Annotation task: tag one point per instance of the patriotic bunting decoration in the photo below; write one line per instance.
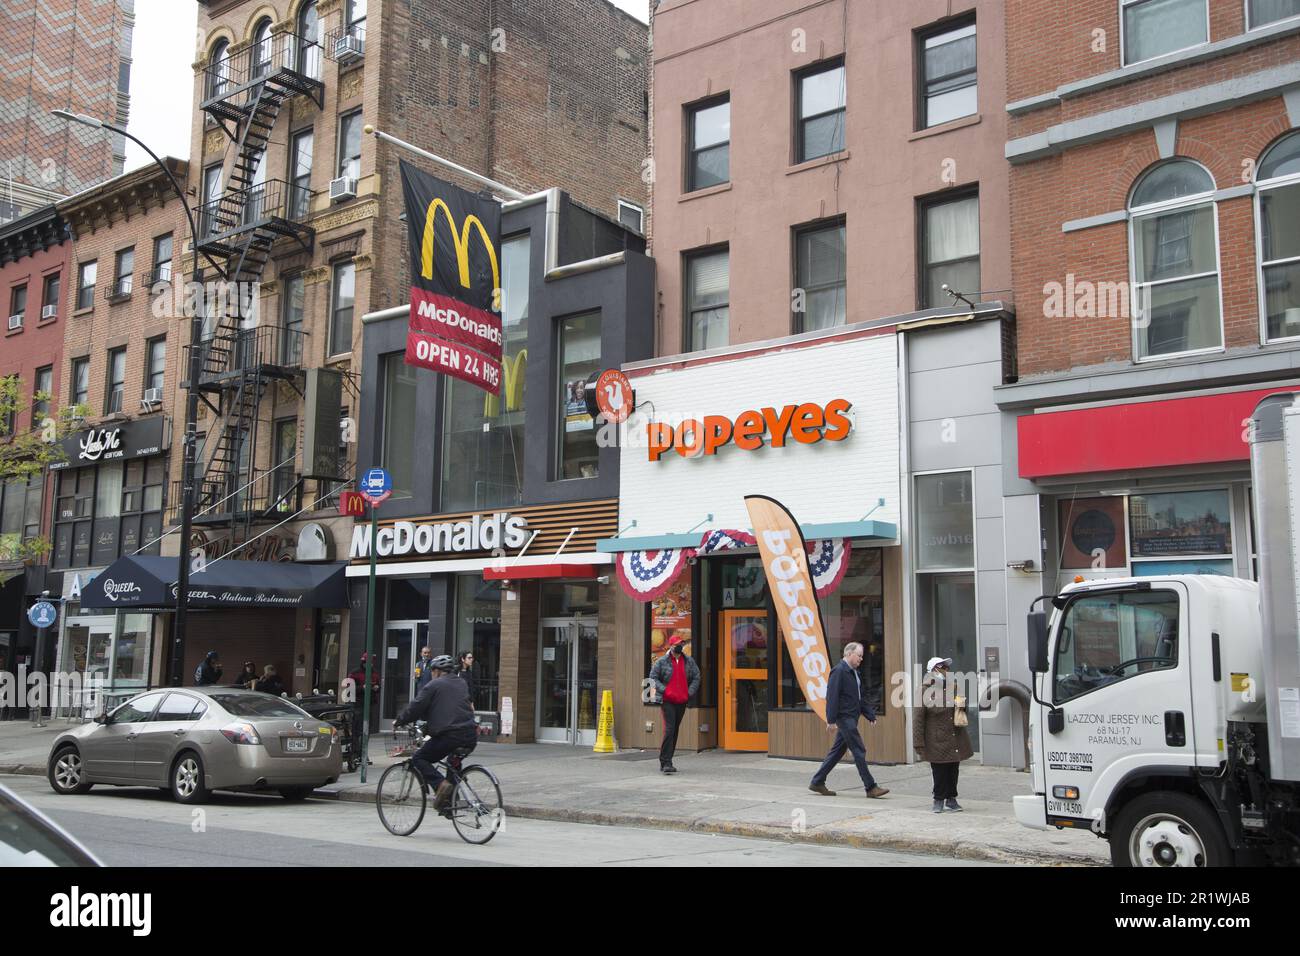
(645, 575)
(725, 540)
(828, 559)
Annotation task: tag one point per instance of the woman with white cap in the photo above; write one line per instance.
(939, 732)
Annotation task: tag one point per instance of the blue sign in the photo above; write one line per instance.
(376, 485)
(42, 614)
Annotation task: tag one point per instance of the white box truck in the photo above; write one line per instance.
(1166, 713)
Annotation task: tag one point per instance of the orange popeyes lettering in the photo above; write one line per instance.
(806, 428)
(659, 435)
(778, 425)
(838, 425)
(717, 432)
(749, 431)
(807, 423)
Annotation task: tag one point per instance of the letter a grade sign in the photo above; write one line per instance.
(455, 323)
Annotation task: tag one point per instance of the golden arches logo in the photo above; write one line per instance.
(461, 242)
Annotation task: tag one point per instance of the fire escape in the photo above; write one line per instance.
(240, 354)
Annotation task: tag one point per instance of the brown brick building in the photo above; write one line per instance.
(61, 54)
(1155, 211)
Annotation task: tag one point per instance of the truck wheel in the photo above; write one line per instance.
(1165, 829)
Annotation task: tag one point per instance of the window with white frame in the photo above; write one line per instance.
(1261, 13)
(1174, 252)
(1277, 209)
(1153, 28)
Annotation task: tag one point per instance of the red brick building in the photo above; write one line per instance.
(61, 54)
(1155, 235)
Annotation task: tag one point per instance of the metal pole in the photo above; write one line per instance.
(448, 164)
(187, 478)
(370, 646)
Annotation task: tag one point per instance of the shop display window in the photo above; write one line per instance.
(478, 629)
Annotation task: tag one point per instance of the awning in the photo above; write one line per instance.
(143, 581)
(883, 531)
(529, 572)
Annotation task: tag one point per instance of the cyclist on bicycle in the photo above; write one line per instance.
(444, 705)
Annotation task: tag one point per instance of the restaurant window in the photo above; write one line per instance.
(821, 111)
(350, 145)
(947, 59)
(578, 455)
(80, 381)
(709, 131)
(342, 300)
(1153, 28)
(819, 297)
(74, 510)
(1277, 200)
(399, 420)
(162, 259)
(156, 367)
(950, 249)
(86, 273)
(1181, 532)
(708, 283)
(123, 280)
(478, 629)
(300, 154)
(50, 293)
(116, 381)
(483, 435)
(131, 655)
(1173, 234)
(1263, 12)
(42, 389)
(108, 512)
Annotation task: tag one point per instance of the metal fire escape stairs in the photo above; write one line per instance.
(238, 359)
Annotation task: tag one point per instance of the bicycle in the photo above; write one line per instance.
(475, 809)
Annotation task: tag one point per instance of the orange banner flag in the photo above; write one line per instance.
(785, 562)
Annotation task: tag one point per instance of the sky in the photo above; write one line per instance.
(162, 75)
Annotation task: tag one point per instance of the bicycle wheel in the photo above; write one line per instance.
(476, 808)
(401, 799)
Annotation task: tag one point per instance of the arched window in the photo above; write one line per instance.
(218, 72)
(261, 53)
(1174, 254)
(309, 40)
(1277, 218)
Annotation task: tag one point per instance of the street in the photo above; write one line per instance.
(141, 827)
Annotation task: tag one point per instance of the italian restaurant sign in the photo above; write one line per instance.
(455, 322)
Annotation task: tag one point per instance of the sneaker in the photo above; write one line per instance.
(443, 795)
(670, 769)
(952, 805)
(877, 791)
(938, 807)
(821, 788)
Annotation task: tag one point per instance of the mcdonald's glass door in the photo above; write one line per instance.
(744, 650)
(566, 682)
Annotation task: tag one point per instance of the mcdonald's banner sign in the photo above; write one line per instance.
(785, 562)
(455, 323)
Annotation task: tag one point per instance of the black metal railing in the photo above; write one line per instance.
(271, 493)
(120, 288)
(352, 50)
(283, 58)
(266, 346)
(242, 209)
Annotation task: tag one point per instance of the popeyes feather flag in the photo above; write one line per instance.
(785, 562)
(455, 323)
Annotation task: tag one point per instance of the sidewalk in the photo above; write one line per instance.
(738, 794)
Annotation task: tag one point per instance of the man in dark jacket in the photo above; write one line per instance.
(676, 678)
(423, 672)
(844, 703)
(445, 707)
(209, 672)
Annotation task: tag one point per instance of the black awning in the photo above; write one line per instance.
(143, 581)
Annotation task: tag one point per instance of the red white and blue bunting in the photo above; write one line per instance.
(725, 540)
(828, 559)
(645, 575)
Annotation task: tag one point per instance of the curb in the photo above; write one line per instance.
(866, 841)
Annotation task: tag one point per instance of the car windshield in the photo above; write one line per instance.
(25, 840)
(257, 705)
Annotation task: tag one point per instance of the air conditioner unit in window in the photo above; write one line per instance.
(152, 398)
(15, 322)
(49, 311)
(349, 49)
(345, 187)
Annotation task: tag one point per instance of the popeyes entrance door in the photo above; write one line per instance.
(743, 652)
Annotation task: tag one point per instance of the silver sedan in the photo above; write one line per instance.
(192, 741)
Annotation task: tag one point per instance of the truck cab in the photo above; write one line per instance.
(1138, 684)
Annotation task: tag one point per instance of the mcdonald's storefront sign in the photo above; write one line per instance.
(351, 504)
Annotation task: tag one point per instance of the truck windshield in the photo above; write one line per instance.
(1113, 636)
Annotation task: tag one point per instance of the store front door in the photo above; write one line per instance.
(402, 643)
(566, 682)
(743, 653)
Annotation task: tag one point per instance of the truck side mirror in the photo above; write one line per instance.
(1037, 624)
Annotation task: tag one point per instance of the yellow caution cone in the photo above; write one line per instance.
(605, 729)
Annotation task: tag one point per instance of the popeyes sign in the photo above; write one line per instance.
(805, 424)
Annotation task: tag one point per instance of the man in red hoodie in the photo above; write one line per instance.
(676, 678)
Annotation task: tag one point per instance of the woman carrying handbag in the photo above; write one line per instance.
(939, 732)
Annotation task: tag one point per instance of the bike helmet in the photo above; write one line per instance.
(442, 662)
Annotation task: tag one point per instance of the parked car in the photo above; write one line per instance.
(192, 741)
(30, 838)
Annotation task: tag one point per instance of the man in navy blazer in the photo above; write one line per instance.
(844, 703)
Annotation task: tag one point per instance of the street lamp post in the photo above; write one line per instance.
(191, 401)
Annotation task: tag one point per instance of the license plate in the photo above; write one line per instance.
(296, 744)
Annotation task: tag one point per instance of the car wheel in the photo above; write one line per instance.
(67, 771)
(1167, 829)
(294, 794)
(187, 783)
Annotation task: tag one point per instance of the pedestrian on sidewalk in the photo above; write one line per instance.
(423, 672)
(209, 672)
(939, 732)
(676, 678)
(248, 676)
(465, 671)
(844, 704)
(270, 682)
